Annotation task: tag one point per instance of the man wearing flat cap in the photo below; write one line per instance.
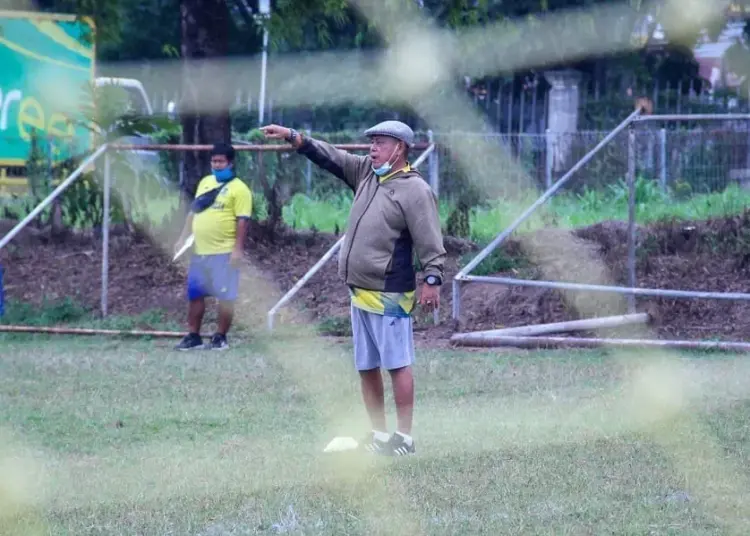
(394, 215)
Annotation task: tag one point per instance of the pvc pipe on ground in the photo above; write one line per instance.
(582, 342)
(560, 327)
(86, 331)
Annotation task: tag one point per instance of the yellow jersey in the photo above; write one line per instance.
(215, 228)
(400, 304)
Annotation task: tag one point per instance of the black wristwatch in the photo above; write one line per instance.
(432, 280)
(292, 136)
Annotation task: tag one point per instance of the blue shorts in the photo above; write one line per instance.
(212, 275)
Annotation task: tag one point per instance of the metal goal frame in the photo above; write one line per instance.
(464, 276)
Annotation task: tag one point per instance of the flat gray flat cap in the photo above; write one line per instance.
(394, 129)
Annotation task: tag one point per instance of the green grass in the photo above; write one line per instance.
(127, 437)
(571, 211)
(70, 313)
(563, 210)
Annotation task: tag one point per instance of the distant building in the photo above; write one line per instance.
(710, 56)
(710, 53)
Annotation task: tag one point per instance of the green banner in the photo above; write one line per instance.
(46, 60)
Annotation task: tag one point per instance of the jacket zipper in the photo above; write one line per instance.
(356, 226)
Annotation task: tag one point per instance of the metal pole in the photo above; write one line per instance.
(694, 117)
(581, 342)
(51, 197)
(308, 170)
(264, 7)
(659, 293)
(544, 197)
(105, 230)
(663, 158)
(631, 217)
(239, 147)
(420, 160)
(549, 158)
(456, 299)
(432, 166)
(311, 272)
(263, 64)
(86, 331)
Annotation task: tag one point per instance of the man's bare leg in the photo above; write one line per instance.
(226, 314)
(403, 395)
(196, 310)
(374, 397)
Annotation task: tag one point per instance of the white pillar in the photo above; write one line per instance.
(562, 114)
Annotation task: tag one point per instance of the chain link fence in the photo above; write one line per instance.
(683, 162)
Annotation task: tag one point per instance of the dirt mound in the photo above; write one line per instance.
(712, 255)
(141, 278)
(703, 256)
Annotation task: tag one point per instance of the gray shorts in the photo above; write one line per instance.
(381, 341)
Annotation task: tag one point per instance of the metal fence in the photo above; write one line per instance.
(704, 159)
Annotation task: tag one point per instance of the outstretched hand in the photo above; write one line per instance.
(275, 132)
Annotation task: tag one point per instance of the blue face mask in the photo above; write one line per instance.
(223, 175)
(382, 170)
(385, 168)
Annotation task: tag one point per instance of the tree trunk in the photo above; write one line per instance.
(205, 103)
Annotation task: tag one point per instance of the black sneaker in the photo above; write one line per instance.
(191, 341)
(218, 342)
(372, 444)
(399, 446)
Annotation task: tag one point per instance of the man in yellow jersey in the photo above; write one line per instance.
(218, 219)
(394, 215)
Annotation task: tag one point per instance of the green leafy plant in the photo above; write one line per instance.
(48, 313)
(107, 115)
(335, 326)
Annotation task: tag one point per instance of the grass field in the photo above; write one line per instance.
(128, 437)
